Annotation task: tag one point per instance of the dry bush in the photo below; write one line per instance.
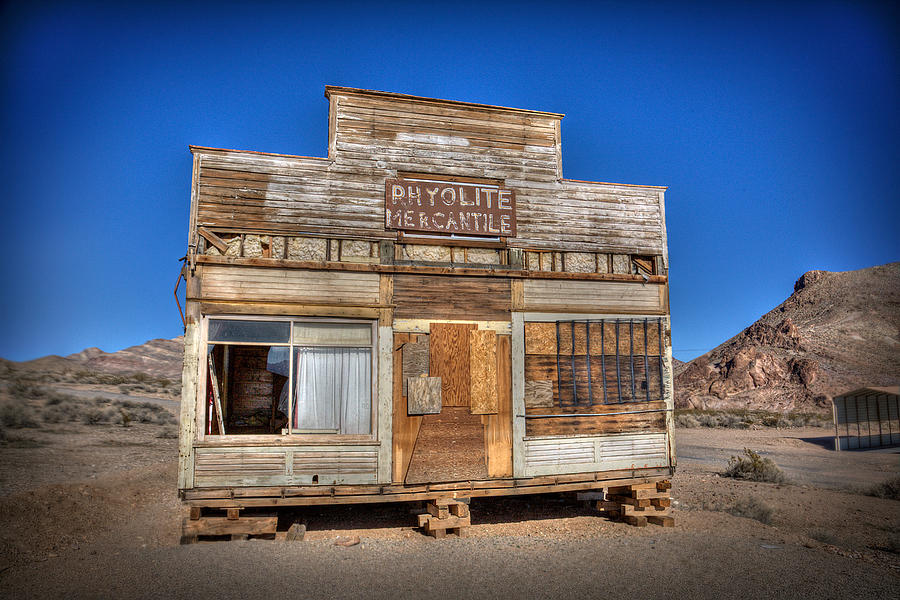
(744, 419)
(18, 415)
(889, 489)
(752, 508)
(754, 467)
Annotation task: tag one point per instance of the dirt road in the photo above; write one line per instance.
(112, 532)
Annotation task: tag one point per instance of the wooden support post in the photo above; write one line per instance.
(443, 515)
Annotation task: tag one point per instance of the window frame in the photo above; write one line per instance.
(288, 434)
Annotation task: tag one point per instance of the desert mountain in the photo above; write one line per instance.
(159, 358)
(836, 332)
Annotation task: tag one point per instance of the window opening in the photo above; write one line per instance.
(629, 371)
(289, 374)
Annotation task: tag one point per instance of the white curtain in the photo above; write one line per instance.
(332, 390)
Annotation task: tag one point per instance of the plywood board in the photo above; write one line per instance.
(540, 338)
(498, 427)
(415, 359)
(483, 372)
(450, 447)
(449, 359)
(424, 396)
(538, 393)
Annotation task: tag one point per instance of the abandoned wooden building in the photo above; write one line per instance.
(430, 313)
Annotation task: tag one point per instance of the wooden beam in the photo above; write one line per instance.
(213, 239)
(493, 271)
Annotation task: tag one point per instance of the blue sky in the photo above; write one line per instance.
(773, 124)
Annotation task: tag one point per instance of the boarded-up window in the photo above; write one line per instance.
(591, 362)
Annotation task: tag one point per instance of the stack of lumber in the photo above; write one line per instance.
(445, 515)
(640, 504)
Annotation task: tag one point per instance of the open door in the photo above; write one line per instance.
(471, 437)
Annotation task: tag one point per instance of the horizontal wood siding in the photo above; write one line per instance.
(441, 297)
(592, 296)
(232, 283)
(300, 465)
(550, 456)
(627, 421)
(377, 137)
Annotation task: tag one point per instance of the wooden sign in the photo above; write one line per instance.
(449, 207)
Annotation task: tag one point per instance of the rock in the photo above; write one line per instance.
(306, 249)
(252, 246)
(580, 262)
(809, 278)
(621, 263)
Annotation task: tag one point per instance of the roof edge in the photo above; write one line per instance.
(329, 89)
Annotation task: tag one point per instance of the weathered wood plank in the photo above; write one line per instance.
(469, 298)
(424, 396)
(449, 360)
(498, 427)
(483, 398)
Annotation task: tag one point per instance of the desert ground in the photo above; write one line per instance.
(90, 511)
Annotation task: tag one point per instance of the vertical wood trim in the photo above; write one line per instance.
(517, 294)
(188, 431)
(498, 428)
(332, 125)
(385, 401)
(558, 130)
(662, 229)
(668, 395)
(518, 393)
(195, 204)
(385, 298)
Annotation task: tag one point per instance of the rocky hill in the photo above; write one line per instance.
(837, 331)
(159, 358)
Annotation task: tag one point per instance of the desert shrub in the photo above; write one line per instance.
(125, 417)
(92, 416)
(752, 508)
(889, 489)
(754, 467)
(167, 433)
(744, 419)
(687, 421)
(25, 390)
(18, 415)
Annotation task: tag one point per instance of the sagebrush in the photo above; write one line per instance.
(753, 467)
(745, 419)
(752, 508)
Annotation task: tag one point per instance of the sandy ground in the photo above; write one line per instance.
(91, 511)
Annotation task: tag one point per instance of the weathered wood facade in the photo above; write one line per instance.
(437, 240)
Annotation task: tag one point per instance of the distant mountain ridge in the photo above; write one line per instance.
(837, 331)
(159, 358)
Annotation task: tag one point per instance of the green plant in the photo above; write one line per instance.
(754, 467)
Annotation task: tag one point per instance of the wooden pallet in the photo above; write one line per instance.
(197, 526)
(639, 504)
(445, 515)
